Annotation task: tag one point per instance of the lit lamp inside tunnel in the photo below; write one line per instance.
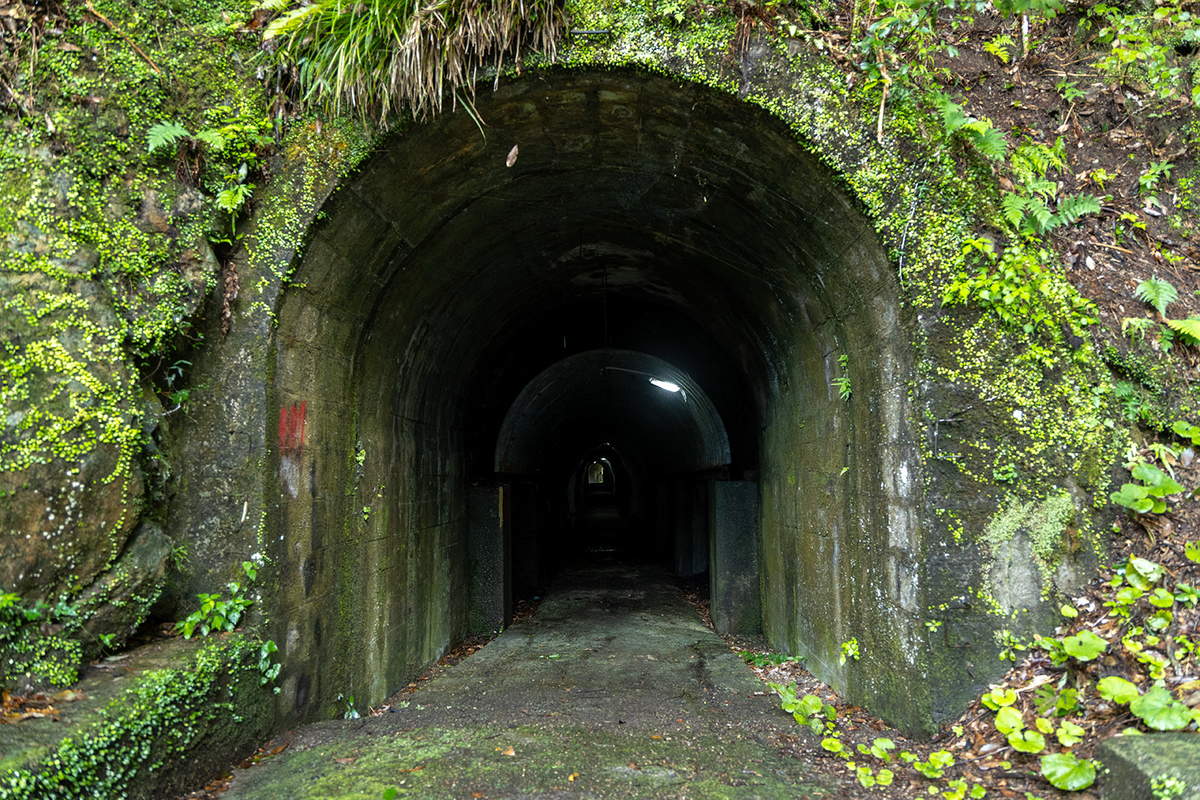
(665, 385)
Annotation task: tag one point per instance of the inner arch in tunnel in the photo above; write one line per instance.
(647, 220)
(601, 395)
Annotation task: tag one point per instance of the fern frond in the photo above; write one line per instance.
(1039, 215)
(1013, 208)
(953, 116)
(991, 144)
(999, 47)
(1188, 329)
(1047, 189)
(214, 140)
(1072, 208)
(1158, 293)
(164, 134)
(1135, 327)
(987, 140)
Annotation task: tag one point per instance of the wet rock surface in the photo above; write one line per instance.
(614, 689)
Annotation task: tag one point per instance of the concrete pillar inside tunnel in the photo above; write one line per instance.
(525, 524)
(489, 559)
(689, 520)
(733, 558)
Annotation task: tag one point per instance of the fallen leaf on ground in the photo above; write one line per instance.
(508, 751)
(347, 760)
(573, 776)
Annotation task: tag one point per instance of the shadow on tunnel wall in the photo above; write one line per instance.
(642, 216)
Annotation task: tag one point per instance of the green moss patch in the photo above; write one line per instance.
(149, 723)
(530, 761)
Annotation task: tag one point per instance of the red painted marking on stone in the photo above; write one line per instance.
(293, 420)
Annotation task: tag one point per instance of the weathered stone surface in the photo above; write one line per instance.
(186, 708)
(61, 526)
(489, 559)
(1133, 763)
(735, 598)
(119, 599)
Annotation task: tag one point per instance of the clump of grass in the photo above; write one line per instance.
(376, 57)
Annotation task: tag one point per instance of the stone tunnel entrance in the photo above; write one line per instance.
(641, 335)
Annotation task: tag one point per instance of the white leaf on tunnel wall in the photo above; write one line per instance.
(512, 156)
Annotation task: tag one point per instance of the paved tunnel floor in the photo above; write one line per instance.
(614, 689)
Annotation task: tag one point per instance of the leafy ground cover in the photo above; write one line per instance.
(1122, 662)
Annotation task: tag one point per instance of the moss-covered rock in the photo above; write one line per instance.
(142, 726)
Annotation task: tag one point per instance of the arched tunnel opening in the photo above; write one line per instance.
(639, 338)
(599, 443)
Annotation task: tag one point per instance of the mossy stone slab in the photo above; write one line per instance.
(1134, 762)
(152, 723)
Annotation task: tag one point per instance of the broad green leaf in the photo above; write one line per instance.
(1117, 690)
(1132, 496)
(1142, 574)
(1027, 741)
(1084, 646)
(1068, 773)
(1160, 620)
(1186, 430)
(1160, 711)
(1127, 595)
(1162, 484)
(1008, 720)
(1069, 734)
(999, 698)
(1162, 598)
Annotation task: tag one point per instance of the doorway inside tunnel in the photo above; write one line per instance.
(630, 340)
(612, 451)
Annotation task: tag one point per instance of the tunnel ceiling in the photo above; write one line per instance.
(666, 201)
(604, 396)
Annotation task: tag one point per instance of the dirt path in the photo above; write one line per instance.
(614, 689)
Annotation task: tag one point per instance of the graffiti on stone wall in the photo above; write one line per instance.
(292, 422)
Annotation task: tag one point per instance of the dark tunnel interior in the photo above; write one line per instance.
(596, 405)
(626, 342)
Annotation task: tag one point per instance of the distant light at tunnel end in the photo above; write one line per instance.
(667, 385)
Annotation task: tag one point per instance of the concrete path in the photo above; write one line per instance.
(614, 689)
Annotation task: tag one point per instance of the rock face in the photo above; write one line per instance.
(1134, 762)
(63, 525)
(118, 600)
